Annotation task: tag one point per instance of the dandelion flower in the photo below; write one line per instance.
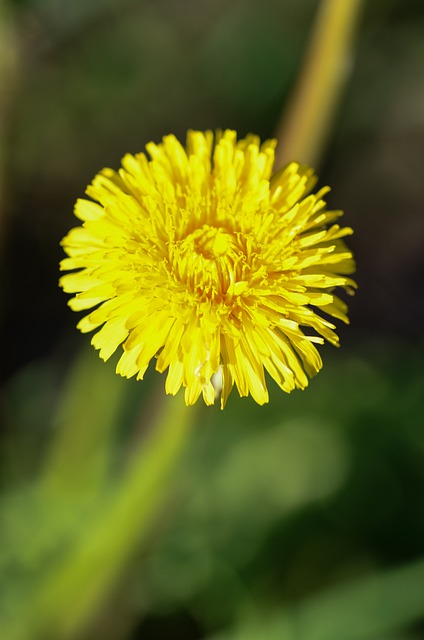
(204, 259)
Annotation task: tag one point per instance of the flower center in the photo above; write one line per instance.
(210, 242)
(205, 261)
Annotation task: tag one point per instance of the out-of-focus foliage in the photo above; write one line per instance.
(300, 520)
(315, 499)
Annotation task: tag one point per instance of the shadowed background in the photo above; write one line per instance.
(301, 520)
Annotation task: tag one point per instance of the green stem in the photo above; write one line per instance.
(8, 79)
(307, 120)
(78, 586)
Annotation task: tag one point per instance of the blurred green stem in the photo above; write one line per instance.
(307, 120)
(92, 568)
(79, 458)
(8, 73)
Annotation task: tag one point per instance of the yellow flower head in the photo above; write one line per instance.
(203, 259)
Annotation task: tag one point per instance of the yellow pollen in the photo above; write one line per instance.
(205, 261)
(211, 242)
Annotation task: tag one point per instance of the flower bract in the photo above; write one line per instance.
(201, 258)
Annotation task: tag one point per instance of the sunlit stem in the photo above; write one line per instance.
(307, 120)
(8, 79)
(78, 586)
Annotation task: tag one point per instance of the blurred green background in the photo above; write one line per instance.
(300, 520)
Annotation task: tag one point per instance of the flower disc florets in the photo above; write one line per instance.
(203, 259)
